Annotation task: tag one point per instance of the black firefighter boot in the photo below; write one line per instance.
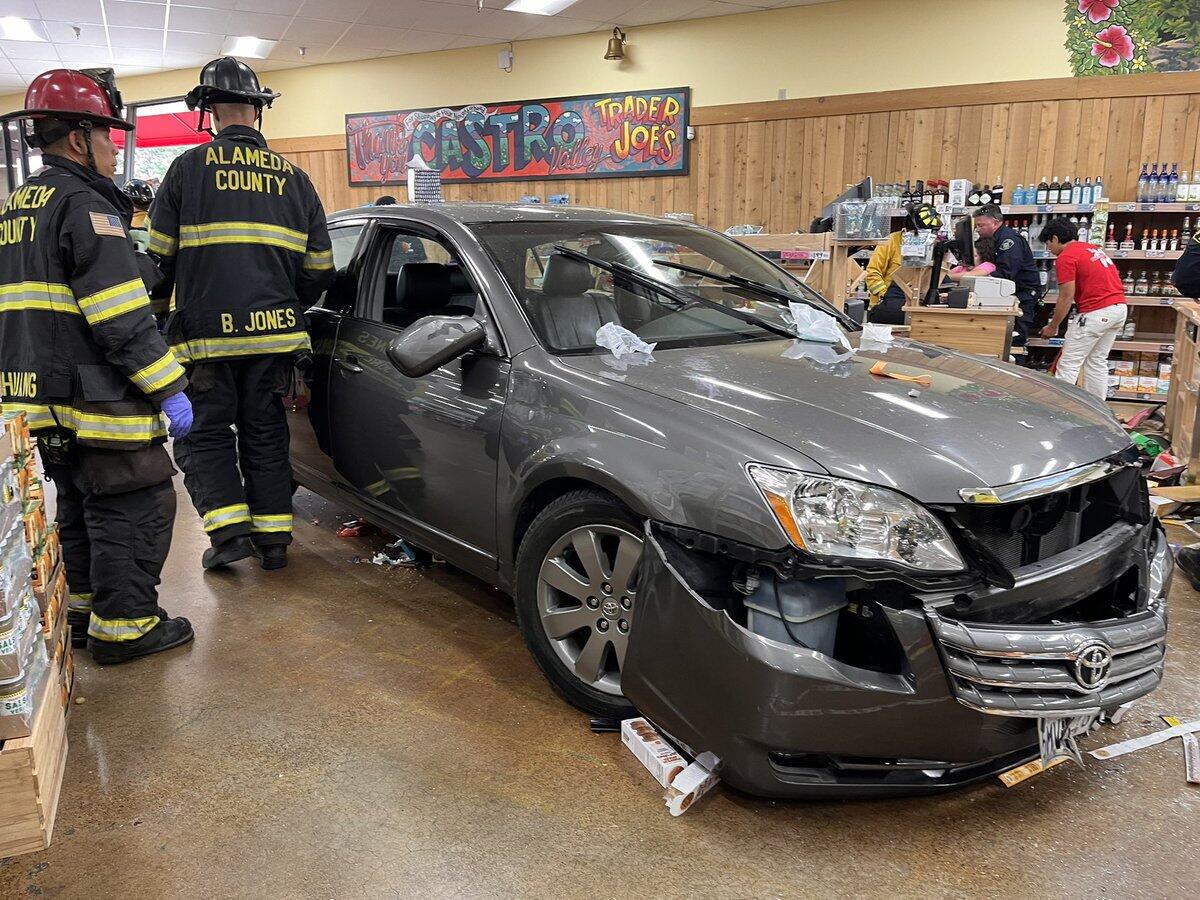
(274, 556)
(78, 621)
(168, 633)
(227, 552)
(1188, 560)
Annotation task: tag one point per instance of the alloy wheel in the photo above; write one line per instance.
(586, 594)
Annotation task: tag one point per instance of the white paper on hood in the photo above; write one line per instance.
(621, 341)
(810, 324)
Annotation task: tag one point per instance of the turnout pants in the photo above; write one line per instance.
(235, 460)
(115, 512)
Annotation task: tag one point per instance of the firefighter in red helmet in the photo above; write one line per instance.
(81, 356)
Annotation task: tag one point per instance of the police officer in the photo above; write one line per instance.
(1014, 261)
(1186, 276)
(242, 232)
(80, 355)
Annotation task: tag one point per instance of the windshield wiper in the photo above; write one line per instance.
(758, 287)
(679, 295)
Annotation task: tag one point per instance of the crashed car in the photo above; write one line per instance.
(708, 509)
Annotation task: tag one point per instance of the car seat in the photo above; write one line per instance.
(569, 311)
(427, 289)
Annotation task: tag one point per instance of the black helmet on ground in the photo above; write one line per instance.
(139, 191)
(228, 80)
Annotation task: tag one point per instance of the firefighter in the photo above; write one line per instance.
(241, 232)
(80, 355)
(141, 195)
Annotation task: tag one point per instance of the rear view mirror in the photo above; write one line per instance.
(430, 343)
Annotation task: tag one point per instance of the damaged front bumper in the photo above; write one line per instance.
(924, 691)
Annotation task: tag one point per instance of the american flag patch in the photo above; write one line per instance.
(103, 223)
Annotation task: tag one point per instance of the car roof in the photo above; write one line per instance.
(468, 213)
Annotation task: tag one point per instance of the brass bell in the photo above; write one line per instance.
(616, 45)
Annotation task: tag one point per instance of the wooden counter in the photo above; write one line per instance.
(986, 332)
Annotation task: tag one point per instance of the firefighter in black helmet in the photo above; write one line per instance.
(80, 356)
(241, 232)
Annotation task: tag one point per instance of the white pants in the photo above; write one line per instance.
(1089, 341)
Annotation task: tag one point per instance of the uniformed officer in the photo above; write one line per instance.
(1186, 276)
(1014, 261)
(242, 232)
(80, 355)
(141, 195)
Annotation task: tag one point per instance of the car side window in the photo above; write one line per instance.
(424, 278)
(340, 294)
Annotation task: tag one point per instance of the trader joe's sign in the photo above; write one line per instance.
(597, 136)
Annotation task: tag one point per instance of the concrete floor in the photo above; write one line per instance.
(342, 730)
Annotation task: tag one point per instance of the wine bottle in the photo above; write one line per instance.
(1184, 187)
(1043, 192)
(985, 194)
(998, 193)
(1098, 190)
(1077, 191)
(1127, 282)
(1085, 196)
(1129, 234)
(1141, 284)
(1111, 243)
(1143, 184)
(1052, 194)
(1145, 244)
(1172, 184)
(1173, 244)
(1152, 184)
(1185, 237)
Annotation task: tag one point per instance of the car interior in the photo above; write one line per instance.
(424, 279)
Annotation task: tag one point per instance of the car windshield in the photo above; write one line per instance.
(567, 299)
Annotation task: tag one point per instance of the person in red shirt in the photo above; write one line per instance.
(1088, 279)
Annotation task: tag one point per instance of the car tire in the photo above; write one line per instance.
(566, 519)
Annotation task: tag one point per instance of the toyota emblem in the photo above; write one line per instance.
(1093, 662)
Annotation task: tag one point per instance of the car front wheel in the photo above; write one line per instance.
(576, 593)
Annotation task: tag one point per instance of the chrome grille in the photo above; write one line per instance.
(1035, 670)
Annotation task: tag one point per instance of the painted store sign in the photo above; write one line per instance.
(594, 136)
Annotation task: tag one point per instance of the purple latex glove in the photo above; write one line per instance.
(178, 410)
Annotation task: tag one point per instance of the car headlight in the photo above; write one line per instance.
(839, 518)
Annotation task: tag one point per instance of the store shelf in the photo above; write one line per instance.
(1118, 255)
(1139, 343)
(1137, 397)
(1131, 300)
(1033, 209)
(1153, 207)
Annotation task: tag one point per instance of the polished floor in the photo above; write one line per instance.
(342, 730)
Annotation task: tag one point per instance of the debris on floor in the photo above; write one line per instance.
(684, 783)
(400, 555)
(1112, 751)
(356, 528)
(1013, 777)
(1191, 751)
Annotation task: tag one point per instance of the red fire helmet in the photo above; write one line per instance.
(74, 96)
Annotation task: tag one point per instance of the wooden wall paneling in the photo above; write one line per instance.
(793, 185)
(1125, 125)
(999, 145)
(1171, 144)
(1152, 129)
(950, 138)
(966, 163)
(1066, 140)
(834, 175)
(1047, 130)
(877, 147)
(1018, 167)
(921, 145)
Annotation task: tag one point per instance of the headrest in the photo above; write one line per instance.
(423, 281)
(459, 283)
(567, 277)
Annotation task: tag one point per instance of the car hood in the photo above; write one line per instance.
(979, 423)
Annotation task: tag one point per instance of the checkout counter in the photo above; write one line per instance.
(976, 316)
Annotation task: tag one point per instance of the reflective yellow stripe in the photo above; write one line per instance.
(158, 374)
(114, 301)
(45, 295)
(91, 426)
(162, 244)
(242, 233)
(318, 259)
(271, 523)
(212, 348)
(81, 602)
(121, 629)
(226, 515)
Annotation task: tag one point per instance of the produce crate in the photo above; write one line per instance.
(31, 774)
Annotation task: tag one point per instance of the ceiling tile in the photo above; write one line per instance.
(556, 26)
(12, 83)
(135, 38)
(63, 33)
(140, 57)
(189, 42)
(334, 10)
(347, 54)
(314, 31)
(215, 21)
(86, 12)
(467, 40)
(124, 71)
(278, 7)
(26, 9)
(32, 67)
(81, 57)
(600, 10)
(29, 50)
(375, 37)
(6, 68)
(448, 18)
(662, 11)
(205, 4)
(137, 15)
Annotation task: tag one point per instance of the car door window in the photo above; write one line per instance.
(424, 277)
(340, 294)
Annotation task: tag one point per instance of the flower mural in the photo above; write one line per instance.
(1109, 37)
(1097, 10)
(1112, 45)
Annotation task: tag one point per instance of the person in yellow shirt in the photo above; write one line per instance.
(886, 297)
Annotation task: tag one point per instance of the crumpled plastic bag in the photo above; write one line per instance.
(621, 342)
(877, 334)
(810, 324)
(822, 354)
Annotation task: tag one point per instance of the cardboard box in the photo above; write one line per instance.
(1129, 383)
(959, 189)
(35, 523)
(1148, 384)
(1164, 370)
(1164, 386)
(660, 758)
(1124, 368)
(1148, 367)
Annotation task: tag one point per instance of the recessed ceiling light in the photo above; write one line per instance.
(540, 7)
(246, 45)
(14, 28)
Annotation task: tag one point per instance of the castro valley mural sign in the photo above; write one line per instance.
(594, 136)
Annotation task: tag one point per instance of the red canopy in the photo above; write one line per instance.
(165, 130)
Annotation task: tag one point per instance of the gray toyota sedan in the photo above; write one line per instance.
(841, 583)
